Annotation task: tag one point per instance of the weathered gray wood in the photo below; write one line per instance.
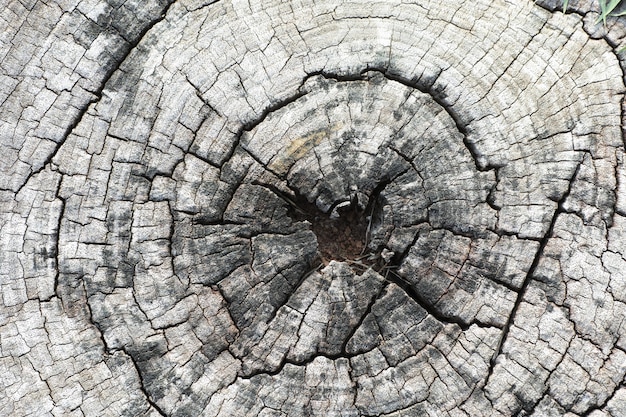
(321, 208)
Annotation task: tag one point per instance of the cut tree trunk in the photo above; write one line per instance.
(311, 208)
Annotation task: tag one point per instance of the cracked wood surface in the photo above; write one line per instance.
(311, 208)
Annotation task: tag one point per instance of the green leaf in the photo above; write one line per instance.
(565, 2)
(612, 5)
(606, 9)
(618, 14)
(601, 16)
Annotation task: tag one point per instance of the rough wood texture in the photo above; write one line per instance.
(311, 208)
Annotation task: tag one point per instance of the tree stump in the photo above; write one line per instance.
(311, 208)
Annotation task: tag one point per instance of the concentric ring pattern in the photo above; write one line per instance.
(339, 209)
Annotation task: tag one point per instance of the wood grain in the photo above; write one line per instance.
(311, 208)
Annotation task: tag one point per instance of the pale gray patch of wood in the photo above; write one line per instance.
(334, 209)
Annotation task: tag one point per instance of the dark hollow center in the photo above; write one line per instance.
(345, 232)
(342, 238)
(343, 235)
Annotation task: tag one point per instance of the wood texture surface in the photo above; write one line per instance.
(323, 208)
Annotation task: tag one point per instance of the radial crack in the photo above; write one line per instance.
(97, 94)
(531, 271)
